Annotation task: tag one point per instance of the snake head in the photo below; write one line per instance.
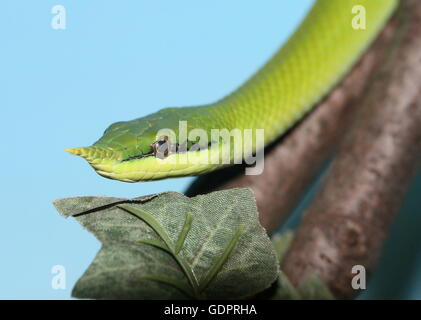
(141, 149)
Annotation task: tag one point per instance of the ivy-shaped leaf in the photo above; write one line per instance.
(169, 246)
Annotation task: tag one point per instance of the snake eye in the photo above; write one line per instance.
(161, 148)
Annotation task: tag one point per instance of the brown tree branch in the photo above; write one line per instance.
(351, 214)
(293, 161)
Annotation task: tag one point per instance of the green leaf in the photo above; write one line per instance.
(281, 243)
(138, 261)
(181, 285)
(156, 226)
(183, 233)
(284, 289)
(156, 243)
(313, 288)
(212, 272)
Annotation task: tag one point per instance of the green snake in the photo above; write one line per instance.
(316, 57)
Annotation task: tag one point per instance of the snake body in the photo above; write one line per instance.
(315, 58)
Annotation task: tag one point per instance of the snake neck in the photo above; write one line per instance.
(314, 59)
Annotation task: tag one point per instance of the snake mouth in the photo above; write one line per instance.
(113, 164)
(163, 159)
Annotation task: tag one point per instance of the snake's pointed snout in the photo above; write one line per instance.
(85, 152)
(75, 151)
(94, 154)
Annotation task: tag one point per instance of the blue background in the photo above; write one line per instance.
(119, 60)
